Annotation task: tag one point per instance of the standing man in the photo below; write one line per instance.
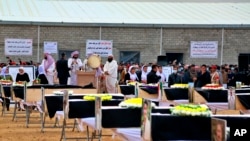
(161, 74)
(110, 71)
(49, 67)
(152, 77)
(62, 70)
(75, 64)
(203, 77)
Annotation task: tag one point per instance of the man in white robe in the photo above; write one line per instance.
(75, 64)
(110, 71)
(49, 67)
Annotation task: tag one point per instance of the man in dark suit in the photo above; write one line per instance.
(174, 78)
(152, 77)
(62, 70)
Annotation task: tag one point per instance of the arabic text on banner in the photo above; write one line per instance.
(50, 47)
(100, 47)
(18, 47)
(204, 49)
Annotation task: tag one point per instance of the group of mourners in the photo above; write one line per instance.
(112, 73)
(199, 75)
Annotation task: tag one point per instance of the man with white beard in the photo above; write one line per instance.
(110, 71)
(75, 64)
(49, 67)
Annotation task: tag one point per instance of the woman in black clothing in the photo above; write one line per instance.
(22, 76)
(131, 76)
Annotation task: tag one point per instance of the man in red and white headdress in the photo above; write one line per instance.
(110, 71)
(75, 64)
(49, 67)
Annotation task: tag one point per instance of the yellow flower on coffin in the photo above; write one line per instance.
(133, 83)
(184, 86)
(133, 102)
(104, 97)
(191, 110)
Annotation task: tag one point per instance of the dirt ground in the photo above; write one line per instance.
(17, 131)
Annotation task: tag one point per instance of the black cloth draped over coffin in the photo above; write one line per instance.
(244, 98)
(55, 103)
(127, 89)
(150, 89)
(191, 128)
(170, 127)
(130, 89)
(84, 109)
(19, 91)
(7, 91)
(213, 95)
(176, 93)
(125, 117)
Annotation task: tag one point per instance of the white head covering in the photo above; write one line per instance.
(110, 55)
(21, 68)
(89, 53)
(41, 69)
(132, 76)
(143, 73)
(3, 73)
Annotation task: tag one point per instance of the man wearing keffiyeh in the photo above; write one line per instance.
(75, 64)
(49, 67)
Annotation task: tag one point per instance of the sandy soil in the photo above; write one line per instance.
(16, 130)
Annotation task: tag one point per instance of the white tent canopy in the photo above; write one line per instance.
(125, 12)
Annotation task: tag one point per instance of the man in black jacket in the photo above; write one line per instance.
(152, 77)
(203, 77)
(174, 78)
(62, 70)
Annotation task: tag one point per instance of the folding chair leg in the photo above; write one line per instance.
(4, 105)
(100, 135)
(56, 122)
(14, 114)
(43, 121)
(41, 117)
(27, 116)
(75, 125)
(88, 133)
(63, 136)
(93, 135)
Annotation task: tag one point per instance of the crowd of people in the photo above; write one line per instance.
(123, 73)
(200, 75)
(110, 74)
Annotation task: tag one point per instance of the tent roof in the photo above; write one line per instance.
(190, 13)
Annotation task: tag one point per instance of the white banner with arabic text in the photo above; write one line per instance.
(18, 47)
(100, 47)
(204, 49)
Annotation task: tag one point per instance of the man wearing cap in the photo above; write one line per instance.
(75, 64)
(62, 70)
(49, 67)
(110, 71)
